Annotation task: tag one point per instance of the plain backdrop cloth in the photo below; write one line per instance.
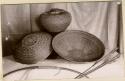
(97, 18)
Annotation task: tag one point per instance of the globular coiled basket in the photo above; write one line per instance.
(78, 46)
(55, 20)
(33, 48)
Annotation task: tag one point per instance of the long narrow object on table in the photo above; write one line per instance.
(100, 61)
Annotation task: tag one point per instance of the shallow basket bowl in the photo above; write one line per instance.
(78, 46)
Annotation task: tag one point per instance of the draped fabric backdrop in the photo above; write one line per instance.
(97, 18)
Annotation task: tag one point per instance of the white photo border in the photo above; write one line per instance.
(52, 1)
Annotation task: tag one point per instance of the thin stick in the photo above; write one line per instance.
(101, 65)
(101, 59)
(43, 67)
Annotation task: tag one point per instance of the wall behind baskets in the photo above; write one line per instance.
(98, 18)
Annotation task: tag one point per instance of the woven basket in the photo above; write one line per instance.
(78, 46)
(33, 48)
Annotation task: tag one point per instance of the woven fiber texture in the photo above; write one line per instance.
(33, 48)
(79, 46)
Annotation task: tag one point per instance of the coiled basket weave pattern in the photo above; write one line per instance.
(78, 46)
(33, 48)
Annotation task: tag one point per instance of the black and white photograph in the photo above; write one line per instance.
(62, 40)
